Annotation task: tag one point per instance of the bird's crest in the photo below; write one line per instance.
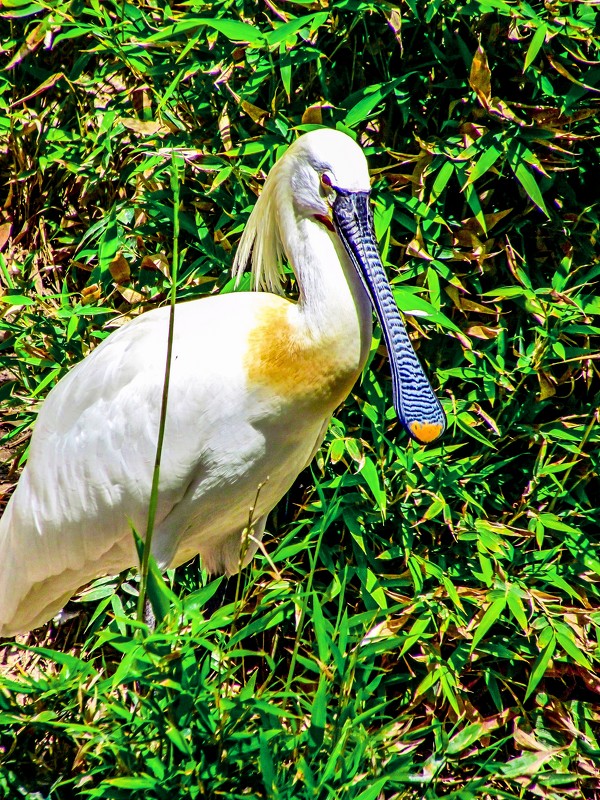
(260, 245)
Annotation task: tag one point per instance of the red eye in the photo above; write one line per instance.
(326, 180)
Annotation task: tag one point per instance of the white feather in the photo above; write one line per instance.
(228, 431)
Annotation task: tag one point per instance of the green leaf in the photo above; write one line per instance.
(160, 596)
(484, 163)
(371, 475)
(409, 302)
(17, 300)
(372, 96)
(491, 615)
(267, 765)
(566, 639)
(517, 160)
(517, 609)
(294, 26)
(441, 180)
(465, 738)
(323, 638)
(537, 40)
(547, 640)
(318, 714)
(108, 246)
(133, 782)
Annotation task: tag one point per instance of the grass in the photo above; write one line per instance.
(426, 622)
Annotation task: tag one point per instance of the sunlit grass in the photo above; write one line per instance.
(424, 622)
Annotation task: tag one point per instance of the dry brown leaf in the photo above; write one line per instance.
(384, 630)
(416, 249)
(5, 230)
(119, 269)
(157, 262)
(314, 114)
(472, 131)
(31, 43)
(480, 80)
(221, 238)
(566, 74)
(256, 114)
(465, 237)
(47, 84)
(547, 385)
(148, 127)
(526, 740)
(394, 19)
(497, 720)
(482, 332)
(463, 304)
(141, 100)
(492, 423)
(501, 109)
(90, 294)
(225, 128)
(464, 340)
(480, 77)
(490, 220)
(130, 295)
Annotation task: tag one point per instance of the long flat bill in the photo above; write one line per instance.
(416, 405)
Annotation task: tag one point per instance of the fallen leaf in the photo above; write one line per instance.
(119, 269)
(547, 385)
(47, 84)
(463, 304)
(148, 127)
(313, 115)
(90, 294)
(480, 77)
(157, 262)
(225, 128)
(256, 114)
(416, 249)
(130, 295)
(5, 230)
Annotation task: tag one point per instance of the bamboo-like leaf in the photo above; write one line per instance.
(547, 642)
(527, 181)
(490, 617)
(371, 475)
(535, 45)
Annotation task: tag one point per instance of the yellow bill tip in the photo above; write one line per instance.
(425, 432)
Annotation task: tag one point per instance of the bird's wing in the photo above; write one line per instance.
(91, 457)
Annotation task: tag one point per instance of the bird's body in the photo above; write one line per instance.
(254, 381)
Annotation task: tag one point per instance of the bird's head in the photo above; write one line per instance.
(304, 183)
(320, 165)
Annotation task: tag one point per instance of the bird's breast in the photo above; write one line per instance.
(285, 359)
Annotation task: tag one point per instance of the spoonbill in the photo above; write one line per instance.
(255, 378)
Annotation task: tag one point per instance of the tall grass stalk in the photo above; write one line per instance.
(147, 551)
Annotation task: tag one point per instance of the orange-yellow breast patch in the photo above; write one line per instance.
(426, 432)
(290, 364)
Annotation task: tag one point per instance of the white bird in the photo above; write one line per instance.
(255, 379)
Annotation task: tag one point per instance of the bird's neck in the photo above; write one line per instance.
(333, 305)
(309, 354)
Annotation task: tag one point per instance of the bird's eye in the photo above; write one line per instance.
(326, 180)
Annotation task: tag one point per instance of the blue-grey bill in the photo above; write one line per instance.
(416, 405)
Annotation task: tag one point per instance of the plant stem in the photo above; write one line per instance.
(175, 188)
